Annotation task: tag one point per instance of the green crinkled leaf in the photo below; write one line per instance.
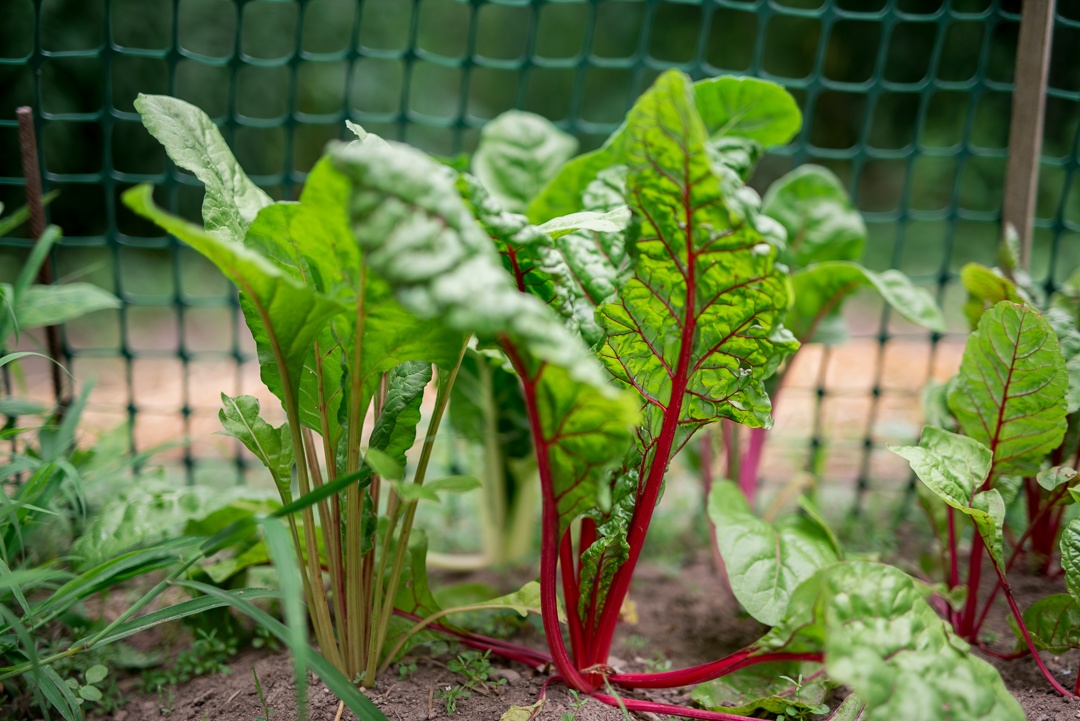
(572, 272)
(885, 642)
(821, 222)
(749, 108)
(528, 254)
(394, 431)
(701, 313)
(820, 291)
(762, 687)
(195, 144)
(44, 305)
(272, 446)
(312, 237)
(739, 154)
(765, 562)
(610, 550)
(986, 288)
(1072, 397)
(518, 152)
(422, 239)
(1070, 557)
(988, 513)
(1053, 622)
(850, 709)
(418, 235)
(295, 313)
(955, 467)
(952, 465)
(583, 432)
(524, 601)
(562, 194)
(1010, 391)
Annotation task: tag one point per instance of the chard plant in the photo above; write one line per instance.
(637, 298)
(1001, 450)
(626, 342)
(344, 357)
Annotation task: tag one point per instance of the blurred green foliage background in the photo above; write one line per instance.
(907, 101)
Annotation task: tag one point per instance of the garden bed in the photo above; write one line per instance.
(687, 616)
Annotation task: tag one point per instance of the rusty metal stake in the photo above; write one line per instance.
(32, 173)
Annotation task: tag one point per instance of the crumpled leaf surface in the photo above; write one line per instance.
(696, 329)
(884, 641)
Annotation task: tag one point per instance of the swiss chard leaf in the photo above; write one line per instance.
(821, 222)
(582, 432)
(955, 467)
(749, 108)
(1070, 557)
(986, 288)
(696, 329)
(765, 562)
(195, 144)
(413, 596)
(518, 152)
(610, 222)
(821, 289)
(311, 238)
(291, 314)
(611, 549)
(765, 686)
(1010, 391)
(884, 641)
(1053, 622)
(756, 110)
(572, 262)
(273, 446)
(418, 235)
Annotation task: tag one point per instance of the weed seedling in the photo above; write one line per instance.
(577, 702)
(89, 689)
(800, 712)
(450, 696)
(476, 669)
(405, 669)
(166, 698)
(658, 663)
(262, 698)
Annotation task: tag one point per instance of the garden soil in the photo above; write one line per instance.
(687, 616)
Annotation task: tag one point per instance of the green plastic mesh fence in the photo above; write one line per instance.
(906, 100)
